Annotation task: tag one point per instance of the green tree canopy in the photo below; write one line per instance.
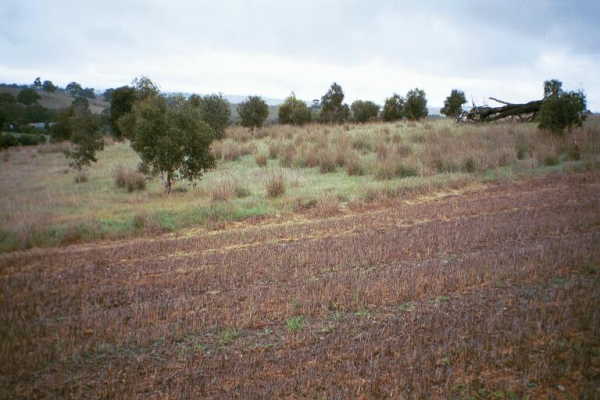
(364, 111)
(85, 136)
(37, 83)
(215, 110)
(393, 109)
(553, 87)
(171, 139)
(121, 103)
(74, 89)
(294, 111)
(561, 110)
(48, 86)
(415, 106)
(453, 103)
(253, 112)
(28, 96)
(332, 108)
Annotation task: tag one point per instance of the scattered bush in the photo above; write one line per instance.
(275, 185)
(253, 112)
(415, 106)
(393, 108)
(294, 111)
(215, 112)
(561, 110)
(363, 111)
(453, 103)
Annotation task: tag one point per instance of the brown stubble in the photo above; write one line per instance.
(495, 288)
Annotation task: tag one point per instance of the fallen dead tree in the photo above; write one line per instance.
(521, 112)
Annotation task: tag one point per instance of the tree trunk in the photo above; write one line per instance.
(526, 111)
(168, 182)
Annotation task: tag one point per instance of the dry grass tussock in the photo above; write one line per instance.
(130, 179)
(275, 184)
(226, 188)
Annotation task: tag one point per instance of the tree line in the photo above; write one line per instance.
(172, 134)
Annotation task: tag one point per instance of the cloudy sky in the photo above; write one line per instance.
(487, 48)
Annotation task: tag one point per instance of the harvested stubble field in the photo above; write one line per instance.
(479, 294)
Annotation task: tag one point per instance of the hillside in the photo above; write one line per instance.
(58, 99)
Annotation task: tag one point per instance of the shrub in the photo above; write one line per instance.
(253, 112)
(261, 160)
(215, 112)
(332, 108)
(275, 185)
(7, 140)
(561, 111)
(30, 140)
(393, 108)
(415, 106)
(294, 111)
(363, 111)
(28, 96)
(453, 103)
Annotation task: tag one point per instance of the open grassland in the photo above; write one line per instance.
(490, 294)
(58, 99)
(274, 173)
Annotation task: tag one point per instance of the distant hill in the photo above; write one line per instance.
(57, 100)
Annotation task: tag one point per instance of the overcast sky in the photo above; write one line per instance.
(504, 49)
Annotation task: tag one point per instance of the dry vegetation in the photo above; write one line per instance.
(487, 294)
(268, 172)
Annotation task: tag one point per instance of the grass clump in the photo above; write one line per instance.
(295, 324)
(81, 177)
(261, 160)
(275, 186)
(327, 162)
(355, 166)
(126, 178)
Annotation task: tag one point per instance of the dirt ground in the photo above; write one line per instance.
(492, 293)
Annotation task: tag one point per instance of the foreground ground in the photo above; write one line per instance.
(488, 293)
